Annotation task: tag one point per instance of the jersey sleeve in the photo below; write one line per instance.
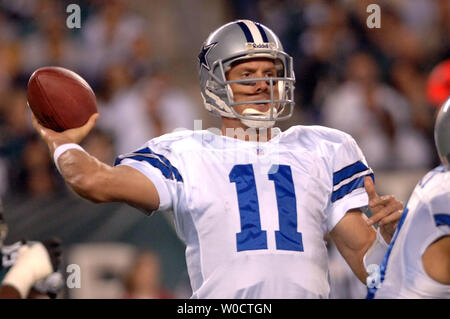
(157, 163)
(439, 210)
(349, 168)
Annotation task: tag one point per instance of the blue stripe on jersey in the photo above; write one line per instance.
(263, 33)
(161, 162)
(348, 171)
(371, 291)
(442, 219)
(153, 162)
(349, 187)
(175, 171)
(247, 32)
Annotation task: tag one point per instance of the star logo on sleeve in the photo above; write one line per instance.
(203, 54)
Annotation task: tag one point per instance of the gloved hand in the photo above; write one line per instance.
(50, 285)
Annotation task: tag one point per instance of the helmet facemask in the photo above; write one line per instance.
(281, 90)
(238, 41)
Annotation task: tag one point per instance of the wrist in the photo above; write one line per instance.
(55, 143)
(61, 149)
(385, 235)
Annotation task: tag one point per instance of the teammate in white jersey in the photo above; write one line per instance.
(252, 204)
(417, 263)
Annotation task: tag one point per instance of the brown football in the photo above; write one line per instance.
(60, 99)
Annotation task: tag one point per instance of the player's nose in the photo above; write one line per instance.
(262, 86)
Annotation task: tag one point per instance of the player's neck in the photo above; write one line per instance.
(234, 128)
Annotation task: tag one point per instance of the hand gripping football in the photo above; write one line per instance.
(60, 99)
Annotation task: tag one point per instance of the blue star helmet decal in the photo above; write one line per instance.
(202, 56)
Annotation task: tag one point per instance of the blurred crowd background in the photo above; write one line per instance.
(140, 57)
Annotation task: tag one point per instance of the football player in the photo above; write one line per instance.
(417, 263)
(29, 269)
(252, 203)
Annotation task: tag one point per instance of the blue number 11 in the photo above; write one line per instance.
(252, 236)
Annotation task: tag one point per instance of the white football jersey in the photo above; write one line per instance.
(253, 215)
(426, 218)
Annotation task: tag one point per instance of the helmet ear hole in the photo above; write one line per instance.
(281, 68)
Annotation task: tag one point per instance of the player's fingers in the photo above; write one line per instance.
(38, 127)
(383, 213)
(94, 118)
(379, 214)
(382, 201)
(391, 218)
(90, 123)
(78, 134)
(35, 122)
(370, 188)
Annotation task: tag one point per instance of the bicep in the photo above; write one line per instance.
(353, 238)
(125, 184)
(436, 260)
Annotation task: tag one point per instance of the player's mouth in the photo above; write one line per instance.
(260, 107)
(257, 110)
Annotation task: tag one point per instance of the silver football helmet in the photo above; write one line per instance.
(241, 40)
(442, 133)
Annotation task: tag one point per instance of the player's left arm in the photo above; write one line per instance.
(354, 235)
(436, 255)
(439, 250)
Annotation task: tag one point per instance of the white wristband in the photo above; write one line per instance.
(61, 149)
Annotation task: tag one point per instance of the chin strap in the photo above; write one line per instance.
(225, 111)
(257, 123)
